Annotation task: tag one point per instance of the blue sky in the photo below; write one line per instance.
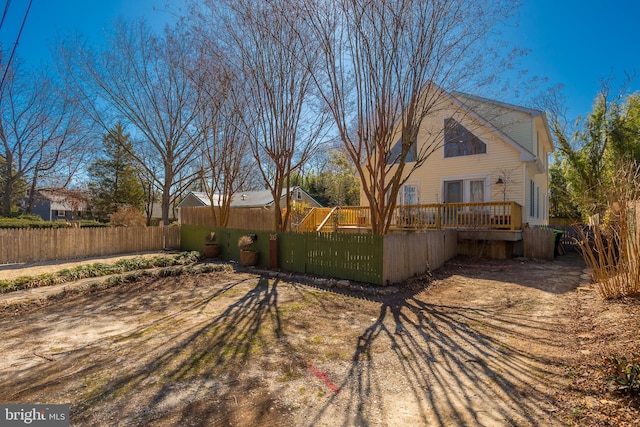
(575, 43)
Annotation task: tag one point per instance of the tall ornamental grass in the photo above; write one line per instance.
(612, 248)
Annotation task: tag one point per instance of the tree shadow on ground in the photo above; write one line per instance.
(198, 359)
(457, 363)
(547, 276)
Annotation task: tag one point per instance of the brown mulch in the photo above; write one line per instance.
(601, 328)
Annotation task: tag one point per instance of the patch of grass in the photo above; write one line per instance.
(137, 334)
(290, 373)
(183, 263)
(334, 356)
(315, 340)
(293, 307)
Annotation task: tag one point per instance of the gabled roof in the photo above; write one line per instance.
(199, 196)
(494, 112)
(242, 199)
(467, 98)
(63, 200)
(250, 199)
(469, 109)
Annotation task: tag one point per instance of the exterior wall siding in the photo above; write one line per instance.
(501, 158)
(42, 209)
(538, 213)
(516, 124)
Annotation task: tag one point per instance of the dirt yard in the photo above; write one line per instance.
(486, 343)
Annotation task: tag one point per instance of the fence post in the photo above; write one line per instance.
(273, 251)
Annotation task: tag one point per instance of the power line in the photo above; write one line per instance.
(15, 45)
(4, 14)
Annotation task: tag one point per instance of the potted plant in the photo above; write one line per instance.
(248, 256)
(211, 248)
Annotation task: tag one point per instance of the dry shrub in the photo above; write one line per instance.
(128, 216)
(612, 249)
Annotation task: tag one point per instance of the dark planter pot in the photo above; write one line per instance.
(249, 258)
(211, 250)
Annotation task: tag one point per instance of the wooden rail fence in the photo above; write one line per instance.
(31, 245)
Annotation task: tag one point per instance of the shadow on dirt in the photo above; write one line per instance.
(557, 276)
(466, 365)
(457, 370)
(195, 361)
(449, 362)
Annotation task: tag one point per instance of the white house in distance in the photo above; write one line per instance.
(485, 151)
(249, 199)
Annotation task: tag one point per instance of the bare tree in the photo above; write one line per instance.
(225, 153)
(141, 77)
(386, 66)
(225, 150)
(282, 123)
(42, 134)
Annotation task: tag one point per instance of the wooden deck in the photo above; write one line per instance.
(505, 216)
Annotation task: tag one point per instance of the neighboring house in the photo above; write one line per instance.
(156, 214)
(487, 151)
(250, 199)
(59, 204)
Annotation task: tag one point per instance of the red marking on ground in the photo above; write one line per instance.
(322, 376)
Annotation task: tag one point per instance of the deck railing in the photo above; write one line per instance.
(313, 219)
(489, 215)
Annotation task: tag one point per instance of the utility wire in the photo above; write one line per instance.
(15, 45)
(4, 14)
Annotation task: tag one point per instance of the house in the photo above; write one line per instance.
(485, 151)
(250, 199)
(155, 216)
(59, 204)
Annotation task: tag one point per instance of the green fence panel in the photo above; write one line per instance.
(345, 256)
(355, 257)
(193, 238)
(292, 252)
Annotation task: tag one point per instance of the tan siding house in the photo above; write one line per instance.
(486, 151)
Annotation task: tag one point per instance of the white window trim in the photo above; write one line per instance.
(466, 186)
(400, 198)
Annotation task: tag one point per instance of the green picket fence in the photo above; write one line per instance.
(355, 257)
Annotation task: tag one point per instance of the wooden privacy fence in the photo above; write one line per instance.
(539, 243)
(247, 218)
(30, 245)
(347, 256)
(406, 255)
(360, 257)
